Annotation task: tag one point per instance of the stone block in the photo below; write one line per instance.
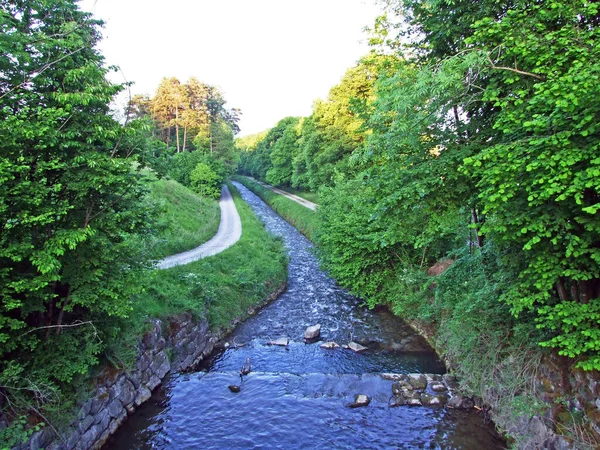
(142, 395)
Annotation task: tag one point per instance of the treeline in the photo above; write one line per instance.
(73, 201)
(467, 143)
(312, 152)
(188, 133)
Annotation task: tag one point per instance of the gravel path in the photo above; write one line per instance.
(230, 231)
(297, 199)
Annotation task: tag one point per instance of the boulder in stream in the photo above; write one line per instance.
(417, 380)
(282, 341)
(356, 347)
(460, 402)
(330, 345)
(312, 332)
(360, 400)
(234, 388)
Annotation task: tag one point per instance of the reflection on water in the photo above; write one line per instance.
(297, 396)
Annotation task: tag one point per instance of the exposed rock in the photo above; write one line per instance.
(85, 424)
(234, 388)
(438, 387)
(127, 393)
(330, 345)
(393, 376)
(417, 381)
(153, 382)
(312, 332)
(115, 407)
(450, 381)
(433, 400)
(355, 347)
(90, 436)
(360, 400)
(460, 402)
(282, 341)
(143, 395)
(397, 400)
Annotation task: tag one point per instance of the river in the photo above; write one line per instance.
(297, 397)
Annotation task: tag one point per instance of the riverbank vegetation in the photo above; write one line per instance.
(301, 217)
(457, 169)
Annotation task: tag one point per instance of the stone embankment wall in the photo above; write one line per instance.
(178, 345)
(571, 398)
(119, 393)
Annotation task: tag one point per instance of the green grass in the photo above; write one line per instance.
(310, 196)
(304, 219)
(221, 287)
(187, 220)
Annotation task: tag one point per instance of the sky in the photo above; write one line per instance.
(270, 58)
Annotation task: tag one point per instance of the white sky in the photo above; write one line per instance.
(271, 58)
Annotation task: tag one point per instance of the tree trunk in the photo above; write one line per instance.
(61, 314)
(562, 292)
(184, 137)
(177, 127)
(585, 287)
(476, 222)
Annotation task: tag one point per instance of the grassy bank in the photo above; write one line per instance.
(186, 221)
(221, 287)
(304, 219)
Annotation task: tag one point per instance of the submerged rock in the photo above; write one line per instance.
(356, 347)
(330, 345)
(283, 342)
(360, 400)
(312, 332)
(234, 388)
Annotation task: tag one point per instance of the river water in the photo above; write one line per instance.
(297, 397)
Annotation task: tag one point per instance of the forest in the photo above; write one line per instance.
(457, 167)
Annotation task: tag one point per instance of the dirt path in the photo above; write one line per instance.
(230, 231)
(297, 199)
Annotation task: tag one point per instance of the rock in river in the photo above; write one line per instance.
(360, 400)
(330, 345)
(234, 388)
(283, 341)
(356, 347)
(312, 332)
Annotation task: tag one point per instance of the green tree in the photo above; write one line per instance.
(205, 181)
(69, 198)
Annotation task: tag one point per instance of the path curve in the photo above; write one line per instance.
(229, 232)
(296, 198)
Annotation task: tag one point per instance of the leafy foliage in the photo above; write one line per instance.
(70, 199)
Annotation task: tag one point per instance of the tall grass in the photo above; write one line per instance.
(187, 219)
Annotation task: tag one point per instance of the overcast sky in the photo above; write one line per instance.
(271, 58)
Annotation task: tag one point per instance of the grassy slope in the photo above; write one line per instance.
(304, 219)
(187, 221)
(310, 196)
(224, 286)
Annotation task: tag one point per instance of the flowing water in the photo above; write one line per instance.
(297, 397)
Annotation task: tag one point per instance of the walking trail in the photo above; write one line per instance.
(230, 231)
(297, 199)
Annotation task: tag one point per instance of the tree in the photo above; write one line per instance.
(69, 198)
